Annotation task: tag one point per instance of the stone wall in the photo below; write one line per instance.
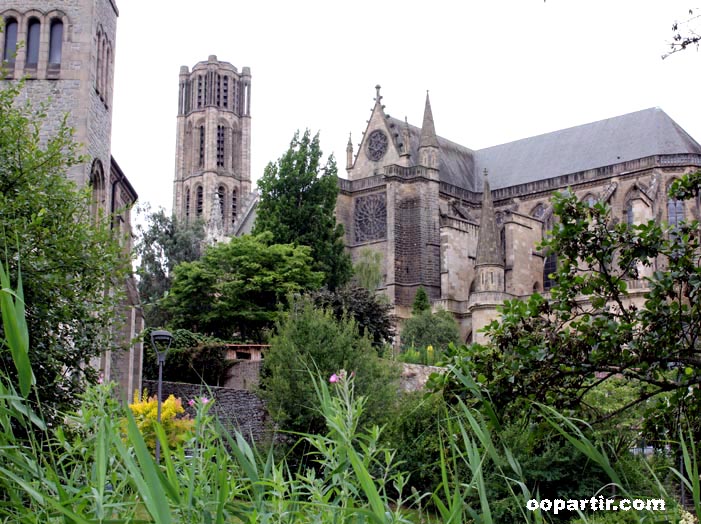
(235, 408)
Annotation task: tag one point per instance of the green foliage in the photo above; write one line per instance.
(430, 329)
(69, 259)
(590, 330)
(163, 243)
(414, 430)
(371, 315)
(308, 339)
(297, 205)
(176, 427)
(234, 290)
(421, 302)
(367, 271)
(193, 358)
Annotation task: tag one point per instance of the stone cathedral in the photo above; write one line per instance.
(65, 51)
(213, 149)
(465, 224)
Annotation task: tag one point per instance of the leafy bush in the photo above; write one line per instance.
(430, 329)
(308, 339)
(193, 358)
(176, 427)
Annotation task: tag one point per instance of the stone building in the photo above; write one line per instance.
(67, 57)
(213, 148)
(465, 224)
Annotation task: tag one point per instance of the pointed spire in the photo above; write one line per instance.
(349, 152)
(428, 129)
(488, 241)
(406, 139)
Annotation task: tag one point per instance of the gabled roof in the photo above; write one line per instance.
(628, 137)
(456, 163)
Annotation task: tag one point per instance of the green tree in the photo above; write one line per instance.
(421, 302)
(163, 243)
(72, 266)
(311, 340)
(297, 205)
(430, 329)
(370, 314)
(234, 290)
(367, 271)
(590, 331)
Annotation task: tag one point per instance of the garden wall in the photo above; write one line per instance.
(236, 408)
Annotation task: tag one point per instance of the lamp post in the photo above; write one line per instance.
(164, 339)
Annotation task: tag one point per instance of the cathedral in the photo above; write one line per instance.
(65, 51)
(466, 224)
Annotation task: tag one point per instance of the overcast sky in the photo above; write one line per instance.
(497, 70)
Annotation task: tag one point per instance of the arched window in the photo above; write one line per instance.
(221, 193)
(10, 49)
(98, 63)
(55, 41)
(549, 267)
(628, 214)
(97, 182)
(33, 35)
(200, 162)
(187, 204)
(675, 211)
(538, 211)
(200, 201)
(233, 206)
(589, 200)
(220, 146)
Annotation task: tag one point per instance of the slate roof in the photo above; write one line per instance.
(628, 137)
(456, 163)
(598, 144)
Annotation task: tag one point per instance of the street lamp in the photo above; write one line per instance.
(164, 339)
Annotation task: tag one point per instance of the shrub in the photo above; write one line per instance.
(176, 427)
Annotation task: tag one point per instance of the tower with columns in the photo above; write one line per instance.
(213, 149)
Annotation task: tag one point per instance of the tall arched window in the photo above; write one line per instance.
(675, 211)
(33, 35)
(55, 41)
(98, 63)
(220, 146)
(233, 206)
(187, 204)
(97, 182)
(200, 201)
(549, 267)
(10, 49)
(628, 213)
(200, 162)
(221, 193)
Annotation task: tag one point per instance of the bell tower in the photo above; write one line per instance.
(213, 149)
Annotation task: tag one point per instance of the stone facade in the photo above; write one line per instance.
(213, 148)
(471, 240)
(67, 57)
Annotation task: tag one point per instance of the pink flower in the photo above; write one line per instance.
(191, 402)
(204, 400)
(333, 378)
(100, 379)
